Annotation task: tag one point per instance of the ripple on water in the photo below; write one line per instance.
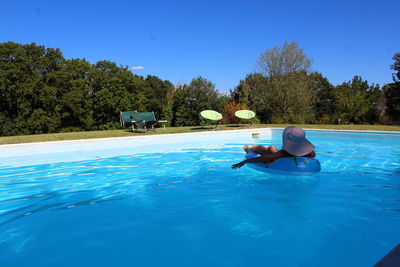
(194, 197)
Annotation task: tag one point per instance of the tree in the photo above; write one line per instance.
(41, 92)
(377, 107)
(286, 95)
(191, 99)
(253, 93)
(282, 60)
(392, 95)
(228, 112)
(357, 102)
(76, 100)
(325, 98)
(159, 95)
(11, 76)
(392, 90)
(396, 66)
(241, 94)
(114, 89)
(30, 88)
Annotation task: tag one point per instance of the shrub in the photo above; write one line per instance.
(228, 113)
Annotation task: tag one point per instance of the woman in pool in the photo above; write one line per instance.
(295, 144)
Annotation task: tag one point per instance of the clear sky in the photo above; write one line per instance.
(218, 40)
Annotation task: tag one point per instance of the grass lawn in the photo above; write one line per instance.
(128, 132)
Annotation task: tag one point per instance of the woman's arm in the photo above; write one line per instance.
(264, 158)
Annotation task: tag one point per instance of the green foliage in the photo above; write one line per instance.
(115, 89)
(7, 125)
(287, 98)
(392, 90)
(284, 92)
(228, 112)
(75, 100)
(357, 102)
(392, 95)
(293, 98)
(254, 91)
(191, 99)
(41, 121)
(281, 92)
(41, 92)
(159, 95)
(376, 107)
(282, 60)
(29, 86)
(241, 94)
(307, 98)
(324, 108)
(396, 67)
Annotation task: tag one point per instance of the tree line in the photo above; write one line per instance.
(42, 92)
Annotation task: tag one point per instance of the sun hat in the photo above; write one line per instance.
(295, 142)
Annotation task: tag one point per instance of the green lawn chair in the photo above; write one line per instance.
(148, 120)
(130, 118)
(246, 115)
(139, 120)
(211, 115)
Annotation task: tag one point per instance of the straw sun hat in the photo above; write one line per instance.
(295, 142)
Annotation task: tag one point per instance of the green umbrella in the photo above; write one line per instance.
(211, 115)
(245, 114)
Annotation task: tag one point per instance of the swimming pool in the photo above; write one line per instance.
(174, 201)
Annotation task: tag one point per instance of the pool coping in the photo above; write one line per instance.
(132, 137)
(178, 134)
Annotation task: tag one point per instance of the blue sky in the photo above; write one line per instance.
(218, 40)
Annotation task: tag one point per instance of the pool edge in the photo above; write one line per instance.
(178, 134)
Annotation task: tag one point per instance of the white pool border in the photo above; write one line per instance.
(23, 154)
(34, 153)
(132, 137)
(183, 134)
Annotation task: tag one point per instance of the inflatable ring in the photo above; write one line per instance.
(287, 165)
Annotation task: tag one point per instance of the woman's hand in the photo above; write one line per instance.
(238, 165)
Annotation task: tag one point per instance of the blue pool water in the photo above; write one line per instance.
(175, 201)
